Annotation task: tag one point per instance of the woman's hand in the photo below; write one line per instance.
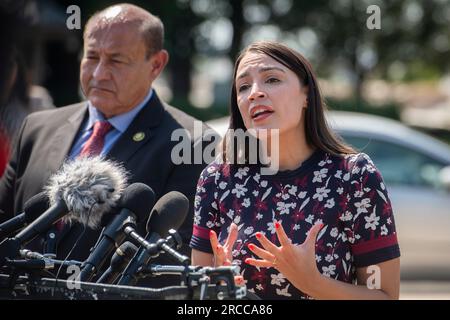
(296, 262)
(223, 253)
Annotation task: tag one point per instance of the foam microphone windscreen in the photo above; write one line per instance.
(168, 213)
(89, 186)
(35, 206)
(139, 199)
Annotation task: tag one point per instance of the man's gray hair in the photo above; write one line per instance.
(149, 25)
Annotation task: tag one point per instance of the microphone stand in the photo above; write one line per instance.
(202, 283)
(149, 250)
(162, 245)
(30, 265)
(222, 278)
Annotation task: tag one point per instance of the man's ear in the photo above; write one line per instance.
(158, 61)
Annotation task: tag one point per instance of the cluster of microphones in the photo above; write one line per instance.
(93, 191)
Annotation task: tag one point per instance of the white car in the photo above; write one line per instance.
(416, 170)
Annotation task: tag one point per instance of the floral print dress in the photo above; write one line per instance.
(345, 193)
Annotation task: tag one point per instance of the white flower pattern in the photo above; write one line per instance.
(321, 193)
(277, 279)
(372, 221)
(346, 193)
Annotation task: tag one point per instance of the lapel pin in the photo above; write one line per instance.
(139, 136)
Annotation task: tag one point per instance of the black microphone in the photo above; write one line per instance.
(168, 213)
(137, 200)
(10, 246)
(119, 261)
(85, 187)
(32, 209)
(42, 223)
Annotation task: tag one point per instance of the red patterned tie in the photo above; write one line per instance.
(94, 145)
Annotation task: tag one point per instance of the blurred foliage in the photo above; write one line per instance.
(422, 70)
(385, 110)
(413, 42)
(204, 114)
(216, 111)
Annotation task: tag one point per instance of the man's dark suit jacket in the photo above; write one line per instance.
(47, 137)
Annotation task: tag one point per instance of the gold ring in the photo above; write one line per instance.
(274, 262)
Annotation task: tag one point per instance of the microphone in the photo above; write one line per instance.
(86, 187)
(89, 186)
(32, 209)
(119, 261)
(136, 202)
(168, 213)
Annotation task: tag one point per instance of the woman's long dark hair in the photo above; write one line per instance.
(317, 132)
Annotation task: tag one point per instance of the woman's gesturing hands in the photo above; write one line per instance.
(296, 262)
(223, 253)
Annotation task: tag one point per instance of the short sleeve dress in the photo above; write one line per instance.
(345, 193)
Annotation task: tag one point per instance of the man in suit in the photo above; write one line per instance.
(123, 55)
